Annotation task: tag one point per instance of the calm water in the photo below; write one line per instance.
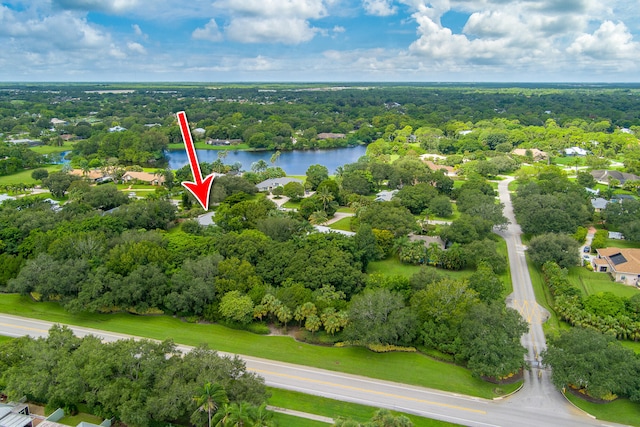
(293, 162)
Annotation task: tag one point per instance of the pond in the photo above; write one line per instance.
(292, 162)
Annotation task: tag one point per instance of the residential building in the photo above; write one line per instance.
(385, 196)
(603, 176)
(575, 151)
(599, 204)
(622, 263)
(15, 415)
(149, 178)
(535, 153)
(272, 183)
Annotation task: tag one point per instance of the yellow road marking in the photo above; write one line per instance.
(26, 328)
(346, 387)
(529, 311)
(364, 390)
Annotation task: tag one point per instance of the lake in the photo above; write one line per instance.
(292, 162)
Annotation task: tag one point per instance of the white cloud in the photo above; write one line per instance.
(271, 21)
(209, 32)
(270, 30)
(379, 7)
(610, 41)
(136, 48)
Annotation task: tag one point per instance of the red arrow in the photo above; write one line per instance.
(200, 189)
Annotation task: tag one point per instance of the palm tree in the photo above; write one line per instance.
(259, 166)
(275, 157)
(318, 217)
(210, 398)
(262, 417)
(325, 196)
(235, 415)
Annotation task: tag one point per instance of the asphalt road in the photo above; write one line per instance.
(537, 404)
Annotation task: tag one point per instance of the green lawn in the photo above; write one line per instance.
(613, 243)
(545, 299)
(591, 283)
(4, 339)
(74, 420)
(335, 408)
(393, 267)
(49, 149)
(285, 420)
(343, 224)
(620, 411)
(424, 371)
(506, 276)
(24, 177)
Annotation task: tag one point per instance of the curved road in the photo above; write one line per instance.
(537, 404)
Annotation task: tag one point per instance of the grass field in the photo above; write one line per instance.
(24, 177)
(74, 420)
(355, 360)
(343, 224)
(285, 420)
(393, 267)
(591, 283)
(49, 149)
(335, 408)
(620, 411)
(4, 339)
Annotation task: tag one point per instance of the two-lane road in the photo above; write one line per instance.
(464, 410)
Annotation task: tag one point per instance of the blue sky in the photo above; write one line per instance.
(320, 40)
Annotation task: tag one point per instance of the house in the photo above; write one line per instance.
(272, 183)
(622, 263)
(149, 178)
(599, 204)
(428, 240)
(117, 129)
(575, 151)
(448, 170)
(15, 415)
(592, 191)
(94, 175)
(385, 196)
(58, 122)
(535, 153)
(329, 135)
(199, 132)
(603, 176)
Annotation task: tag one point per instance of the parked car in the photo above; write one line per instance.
(586, 249)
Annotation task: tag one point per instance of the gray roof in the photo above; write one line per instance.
(15, 420)
(602, 175)
(599, 203)
(276, 182)
(385, 196)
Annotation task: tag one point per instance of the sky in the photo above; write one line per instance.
(320, 40)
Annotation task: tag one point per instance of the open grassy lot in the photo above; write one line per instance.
(620, 411)
(626, 244)
(355, 360)
(74, 420)
(285, 420)
(393, 267)
(24, 177)
(591, 283)
(343, 224)
(335, 408)
(49, 149)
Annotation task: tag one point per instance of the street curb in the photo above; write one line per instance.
(510, 394)
(577, 407)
